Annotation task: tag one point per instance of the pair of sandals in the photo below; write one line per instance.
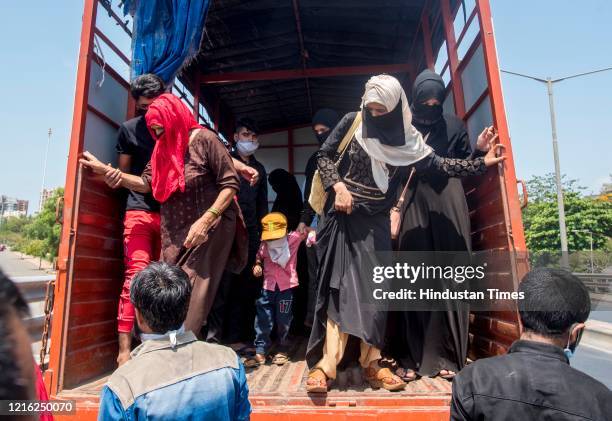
(280, 358)
(377, 376)
(408, 375)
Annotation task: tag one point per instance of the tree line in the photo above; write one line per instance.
(36, 235)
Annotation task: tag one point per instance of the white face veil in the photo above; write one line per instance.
(386, 90)
(279, 251)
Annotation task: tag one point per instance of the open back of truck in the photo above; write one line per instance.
(277, 61)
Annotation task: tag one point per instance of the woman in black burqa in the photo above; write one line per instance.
(288, 196)
(323, 121)
(435, 218)
(355, 225)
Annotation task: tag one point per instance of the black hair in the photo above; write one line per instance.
(13, 384)
(554, 300)
(248, 124)
(161, 293)
(147, 85)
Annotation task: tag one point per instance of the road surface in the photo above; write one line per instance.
(595, 363)
(12, 264)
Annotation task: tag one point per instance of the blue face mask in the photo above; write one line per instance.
(568, 352)
(570, 349)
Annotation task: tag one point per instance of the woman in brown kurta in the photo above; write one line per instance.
(201, 225)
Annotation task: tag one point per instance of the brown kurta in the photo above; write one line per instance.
(208, 170)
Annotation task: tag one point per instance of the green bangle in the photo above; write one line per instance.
(214, 211)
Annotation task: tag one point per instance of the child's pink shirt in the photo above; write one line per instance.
(274, 274)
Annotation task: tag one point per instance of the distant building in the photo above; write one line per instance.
(10, 206)
(45, 195)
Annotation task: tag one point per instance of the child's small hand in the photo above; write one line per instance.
(257, 270)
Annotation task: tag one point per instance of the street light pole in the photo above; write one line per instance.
(42, 189)
(553, 121)
(560, 205)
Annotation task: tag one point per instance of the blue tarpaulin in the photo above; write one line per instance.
(166, 34)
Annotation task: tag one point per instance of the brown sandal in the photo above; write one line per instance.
(382, 377)
(406, 374)
(317, 381)
(254, 361)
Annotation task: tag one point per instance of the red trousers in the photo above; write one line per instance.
(142, 244)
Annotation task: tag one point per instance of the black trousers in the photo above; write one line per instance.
(232, 317)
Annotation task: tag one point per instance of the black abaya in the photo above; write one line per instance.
(345, 241)
(435, 218)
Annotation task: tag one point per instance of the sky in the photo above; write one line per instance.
(39, 43)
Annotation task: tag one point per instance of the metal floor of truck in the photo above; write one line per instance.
(287, 382)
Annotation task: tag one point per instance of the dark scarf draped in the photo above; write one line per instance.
(387, 128)
(428, 85)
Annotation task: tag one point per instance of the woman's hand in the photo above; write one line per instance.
(250, 174)
(113, 178)
(492, 158)
(488, 135)
(198, 233)
(302, 228)
(94, 163)
(257, 270)
(344, 198)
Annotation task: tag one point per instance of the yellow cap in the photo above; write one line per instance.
(274, 226)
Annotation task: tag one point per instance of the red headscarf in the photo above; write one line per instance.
(168, 158)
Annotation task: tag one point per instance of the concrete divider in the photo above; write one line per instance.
(598, 335)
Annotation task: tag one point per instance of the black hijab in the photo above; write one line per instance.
(288, 196)
(328, 118)
(428, 85)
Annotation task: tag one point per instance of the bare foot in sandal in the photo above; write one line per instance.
(317, 381)
(447, 374)
(406, 374)
(379, 377)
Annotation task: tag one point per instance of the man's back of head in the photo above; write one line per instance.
(554, 301)
(160, 294)
(172, 374)
(534, 380)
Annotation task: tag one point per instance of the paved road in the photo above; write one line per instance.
(12, 264)
(595, 363)
(601, 315)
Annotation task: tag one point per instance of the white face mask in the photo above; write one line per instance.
(246, 147)
(279, 251)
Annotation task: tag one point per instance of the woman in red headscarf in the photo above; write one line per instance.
(192, 175)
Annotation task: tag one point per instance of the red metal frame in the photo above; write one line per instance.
(53, 378)
(451, 47)
(112, 46)
(429, 59)
(499, 116)
(467, 26)
(302, 73)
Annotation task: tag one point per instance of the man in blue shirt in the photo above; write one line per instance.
(172, 375)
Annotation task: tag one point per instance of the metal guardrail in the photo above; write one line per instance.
(599, 283)
(33, 289)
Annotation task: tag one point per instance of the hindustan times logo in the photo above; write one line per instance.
(411, 273)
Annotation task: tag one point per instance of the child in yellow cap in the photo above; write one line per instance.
(276, 261)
